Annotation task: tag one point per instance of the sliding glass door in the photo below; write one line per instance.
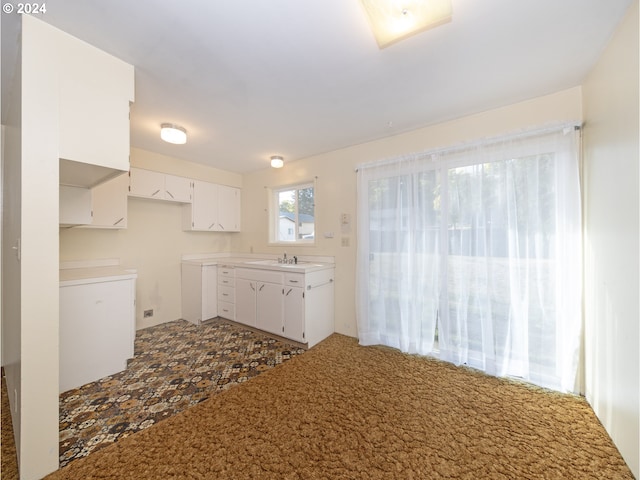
(473, 256)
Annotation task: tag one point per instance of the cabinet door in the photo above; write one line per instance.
(96, 325)
(191, 290)
(109, 203)
(209, 291)
(228, 209)
(246, 301)
(95, 91)
(146, 183)
(294, 314)
(269, 307)
(177, 189)
(204, 209)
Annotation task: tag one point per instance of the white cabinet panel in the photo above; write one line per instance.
(177, 189)
(75, 205)
(246, 301)
(202, 214)
(109, 203)
(146, 183)
(269, 307)
(228, 208)
(199, 292)
(97, 331)
(95, 92)
(159, 186)
(294, 314)
(215, 208)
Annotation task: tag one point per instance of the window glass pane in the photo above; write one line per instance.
(286, 215)
(306, 215)
(295, 215)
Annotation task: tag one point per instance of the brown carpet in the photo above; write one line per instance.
(345, 411)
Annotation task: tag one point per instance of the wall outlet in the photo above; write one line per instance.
(148, 313)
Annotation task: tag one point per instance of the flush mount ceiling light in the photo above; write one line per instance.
(395, 20)
(173, 133)
(277, 161)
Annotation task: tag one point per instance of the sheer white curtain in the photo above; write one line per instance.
(399, 255)
(473, 255)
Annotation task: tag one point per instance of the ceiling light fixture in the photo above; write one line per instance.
(395, 20)
(277, 161)
(173, 133)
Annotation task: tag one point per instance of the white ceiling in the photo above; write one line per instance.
(253, 78)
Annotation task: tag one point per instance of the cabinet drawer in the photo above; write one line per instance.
(225, 271)
(294, 279)
(270, 276)
(227, 310)
(226, 294)
(226, 281)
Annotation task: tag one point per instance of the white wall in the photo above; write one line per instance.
(336, 184)
(11, 193)
(612, 240)
(32, 317)
(153, 241)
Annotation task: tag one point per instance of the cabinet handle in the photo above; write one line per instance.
(293, 281)
(261, 287)
(221, 226)
(225, 294)
(211, 226)
(121, 219)
(169, 193)
(155, 193)
(290, 290)
(252, 287)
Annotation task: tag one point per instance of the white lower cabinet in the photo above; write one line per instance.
(259, 299)
(199, 292)
(297, 306)
(97, 330)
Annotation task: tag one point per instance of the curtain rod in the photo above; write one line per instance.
(555, 128)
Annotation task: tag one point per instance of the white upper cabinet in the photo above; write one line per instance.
(109, 203)
(160, 186)
(215, 208)
(177, 189)
(95, 90)
(202, 214)
(228, 208)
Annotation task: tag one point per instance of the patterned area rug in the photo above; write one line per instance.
(176, 365)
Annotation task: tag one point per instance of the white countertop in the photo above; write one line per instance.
(263, 264)
(78, 276)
